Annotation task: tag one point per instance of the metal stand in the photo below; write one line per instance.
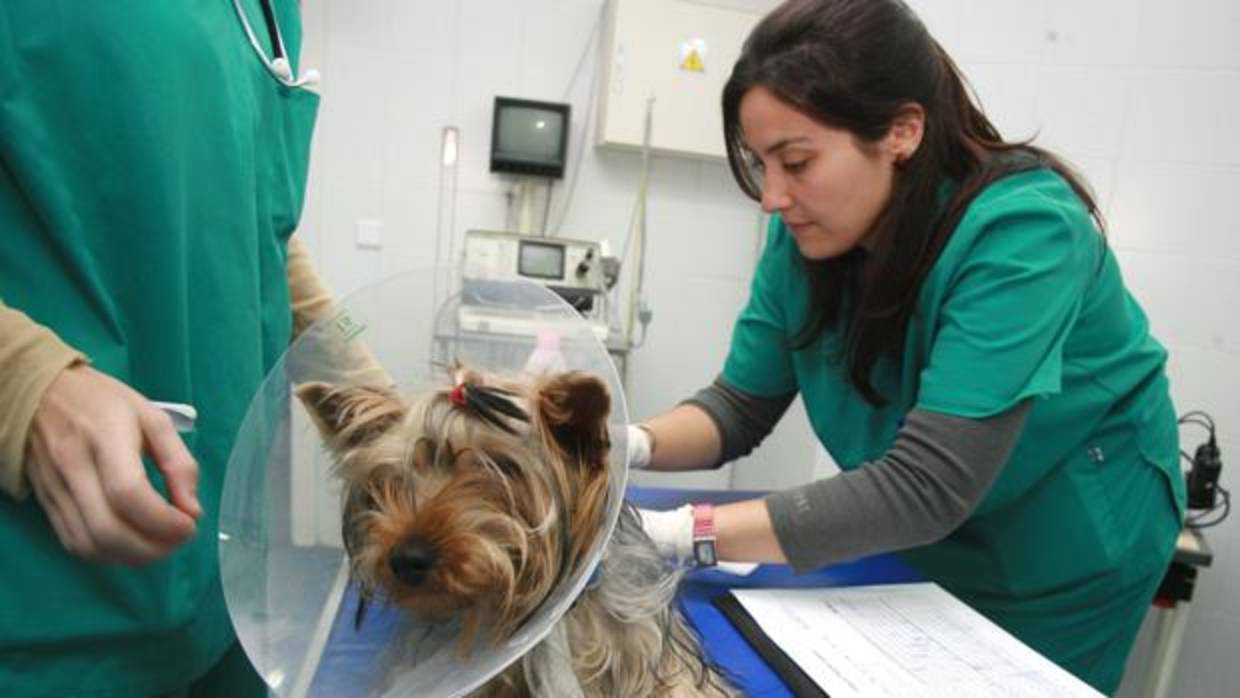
(1191, 553)
(525, 205)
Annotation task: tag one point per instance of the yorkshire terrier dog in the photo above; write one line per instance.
(474, 501)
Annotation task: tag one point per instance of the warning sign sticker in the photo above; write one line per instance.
(693, 56)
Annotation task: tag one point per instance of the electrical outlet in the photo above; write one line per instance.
(369, 234)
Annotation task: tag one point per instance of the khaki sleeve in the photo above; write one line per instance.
(332, 354)
(31, 356)
(310, 298)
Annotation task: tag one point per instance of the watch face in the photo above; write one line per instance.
(704, 552)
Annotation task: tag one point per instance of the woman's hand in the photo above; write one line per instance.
(743, 533)
(86, 444)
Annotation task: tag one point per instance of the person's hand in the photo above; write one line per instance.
(85, 467)
(671, 531)
(639, 446)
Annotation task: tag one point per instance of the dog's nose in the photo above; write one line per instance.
(412, 561)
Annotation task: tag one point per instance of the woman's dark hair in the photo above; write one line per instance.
(857, 65)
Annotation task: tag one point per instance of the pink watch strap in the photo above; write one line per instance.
(704, 535)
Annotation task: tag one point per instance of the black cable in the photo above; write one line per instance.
(1205, 465)
(1208, 426)
(1198, 413)
(273, 34)
(1196, 521)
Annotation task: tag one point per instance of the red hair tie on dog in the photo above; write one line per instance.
(488, 403)
(457, 396)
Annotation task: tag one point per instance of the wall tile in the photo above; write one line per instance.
(1099, 32)
(1001, 31)
(1177, 207)
(698, 241)
(1188, 299)
(692, 323)
(1007, 93)
(1081, 110)
(1099, 175)
(793, 445)
(1206, 379)
(557, 38)
(1191, 33)
(942, 20)
(1184, 116)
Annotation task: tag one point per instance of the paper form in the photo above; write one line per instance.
(902, 640)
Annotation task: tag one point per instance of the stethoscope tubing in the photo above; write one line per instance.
(278, 66)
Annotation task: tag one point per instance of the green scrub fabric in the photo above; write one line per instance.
(1025, 302)
(151, 172)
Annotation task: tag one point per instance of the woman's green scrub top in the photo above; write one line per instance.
(151, 172)
(1025, 302)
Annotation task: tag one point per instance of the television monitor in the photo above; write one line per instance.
(529, 137)
(540, 260)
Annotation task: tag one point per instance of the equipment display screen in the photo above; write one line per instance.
(529, 138)
(541, 260)
(530, 134)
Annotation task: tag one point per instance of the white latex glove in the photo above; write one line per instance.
(637, 442)
(671, 531)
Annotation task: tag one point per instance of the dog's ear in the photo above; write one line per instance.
(572, 408)
(350, 416)
(571, 411)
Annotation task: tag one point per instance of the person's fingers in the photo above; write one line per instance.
(50, 504)
(53, 495)
(173, 460)
(112, 538)
(130, 494)
(68, 540)
(87, 437)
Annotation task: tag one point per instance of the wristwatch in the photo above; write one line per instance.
(704, 535)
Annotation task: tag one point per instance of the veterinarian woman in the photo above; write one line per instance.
(948, 310)
(154, 163)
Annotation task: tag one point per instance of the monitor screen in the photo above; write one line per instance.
(529, 137)
(541, 260)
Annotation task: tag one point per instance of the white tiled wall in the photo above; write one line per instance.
(1143, 96)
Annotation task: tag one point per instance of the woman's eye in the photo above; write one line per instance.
(795, 167)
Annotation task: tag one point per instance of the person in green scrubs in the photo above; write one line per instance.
(152, 170)
(947, 308)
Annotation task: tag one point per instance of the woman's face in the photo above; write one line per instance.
(828, 186)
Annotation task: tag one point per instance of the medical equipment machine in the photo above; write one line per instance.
(529, 137)
(492, 261)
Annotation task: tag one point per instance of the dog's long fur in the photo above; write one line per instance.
(475, 501)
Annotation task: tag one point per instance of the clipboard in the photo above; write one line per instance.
(797, 681)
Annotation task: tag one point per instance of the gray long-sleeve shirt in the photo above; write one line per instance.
(936, 472)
